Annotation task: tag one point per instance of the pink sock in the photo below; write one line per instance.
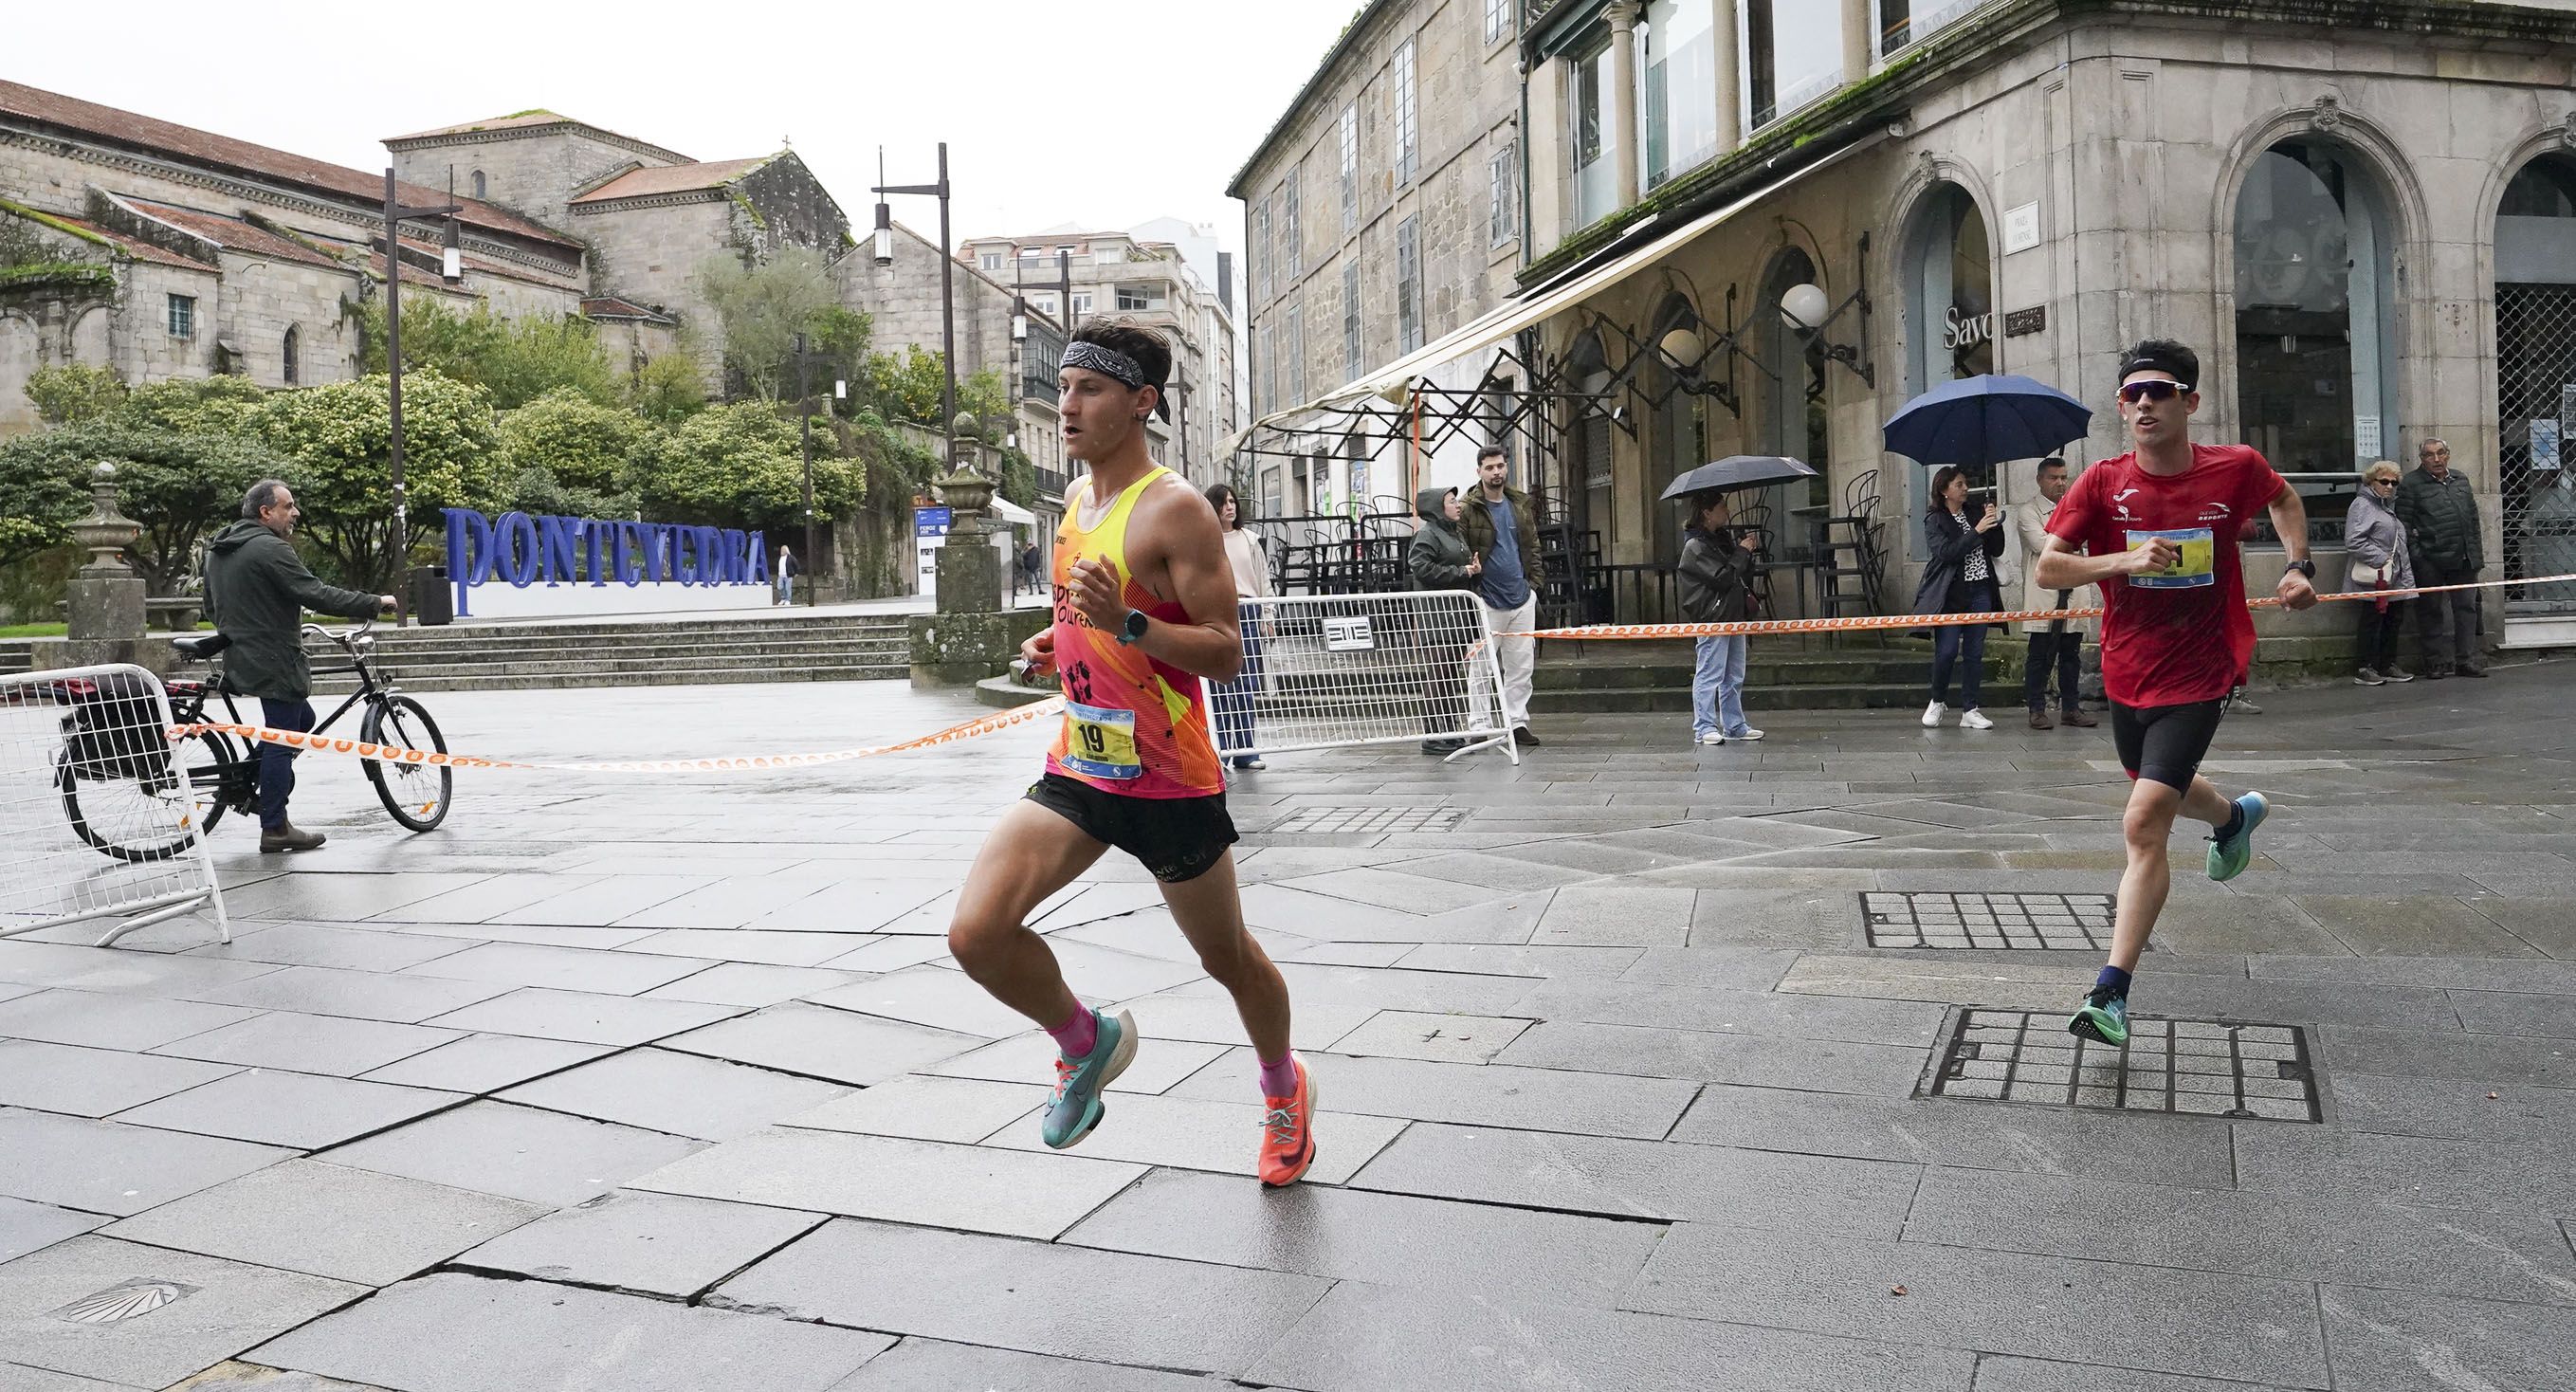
(1279, 1079)
(1079, 1035)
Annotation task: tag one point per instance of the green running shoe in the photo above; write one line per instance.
(2104, 1019)
(2228, 855)
(1076, 1106)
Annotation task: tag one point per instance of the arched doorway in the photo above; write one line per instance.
(2316, 341)
(2535, 299)
(1948, 272)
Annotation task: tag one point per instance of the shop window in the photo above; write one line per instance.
(1681, 87)
(2315, 341)
(1595, 137)
(1793, 54)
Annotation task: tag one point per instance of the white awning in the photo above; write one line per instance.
(1012, 512)
(1513, 315)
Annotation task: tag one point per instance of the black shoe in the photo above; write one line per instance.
(1439, 747)
(2436, 673)
(1521, 736)
(2466, 670)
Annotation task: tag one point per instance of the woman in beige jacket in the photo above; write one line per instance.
(2055, 644)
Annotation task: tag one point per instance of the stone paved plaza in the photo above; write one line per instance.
(629, 1083)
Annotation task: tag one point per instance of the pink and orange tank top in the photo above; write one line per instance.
(1132, 726)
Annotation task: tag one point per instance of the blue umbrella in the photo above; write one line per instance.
(1987, 419)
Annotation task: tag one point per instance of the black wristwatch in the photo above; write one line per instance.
(1133, 631)
(2303, 565)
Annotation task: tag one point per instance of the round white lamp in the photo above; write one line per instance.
(1805, 307)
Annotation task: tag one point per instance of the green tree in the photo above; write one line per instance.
(514, 360)
(984, 394)
(39, 497)
(761, 308)
(585, 445)
(195, 405)
(73, 394)
(908, 386)
(667, 389)
(338, 436)
(740, 466)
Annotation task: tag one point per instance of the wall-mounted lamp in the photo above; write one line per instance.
(1805, 309)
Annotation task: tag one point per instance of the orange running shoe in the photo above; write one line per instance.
(1288, 1133)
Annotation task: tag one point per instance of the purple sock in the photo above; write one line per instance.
(1279, 1079)
(1079, 1035)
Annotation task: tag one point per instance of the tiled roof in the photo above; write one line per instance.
(134, 247)
(221, 151)
(672, 178)
(519, 122)
(232, 234)
(611, 307)
(412, 275)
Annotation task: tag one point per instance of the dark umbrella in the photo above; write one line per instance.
(1738, 471)
(1987, 419)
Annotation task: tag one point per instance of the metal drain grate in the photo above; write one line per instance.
(1340, 821)
(2201, 1067)
(2029, 921)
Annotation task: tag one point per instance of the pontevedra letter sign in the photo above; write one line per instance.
(516, 564)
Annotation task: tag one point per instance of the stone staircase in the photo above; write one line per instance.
(17, 655)
(1832, 672)
(677, 652)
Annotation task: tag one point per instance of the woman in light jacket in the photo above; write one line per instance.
(1959, 579)
(1233, 700)
(2374, 544)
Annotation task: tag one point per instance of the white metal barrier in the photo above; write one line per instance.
(1335, 671)
(100, 813)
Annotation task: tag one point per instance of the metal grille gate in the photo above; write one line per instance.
(2535, 410)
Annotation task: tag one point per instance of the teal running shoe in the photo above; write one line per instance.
(1076, 1107)
(2228, 855)
(2104, 1019)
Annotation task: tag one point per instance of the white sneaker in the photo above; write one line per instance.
(1974, 719)
(1750, 734)
(1712, 737)
(1932, 715)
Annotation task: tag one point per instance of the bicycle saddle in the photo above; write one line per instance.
(202, 646)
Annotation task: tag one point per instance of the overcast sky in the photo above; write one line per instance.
(1104, 113)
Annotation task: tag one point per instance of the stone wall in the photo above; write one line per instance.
(787, 206)
(534, 171)
(654, 251)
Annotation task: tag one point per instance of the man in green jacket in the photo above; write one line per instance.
(1438, 559)
(2442, 537)
(1502, 529)
(257, 590)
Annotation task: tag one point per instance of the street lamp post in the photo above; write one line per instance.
(947, 281)
(452, 269)
(805, 443)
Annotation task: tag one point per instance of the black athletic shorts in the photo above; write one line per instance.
(1179, 839)
(2164, 744)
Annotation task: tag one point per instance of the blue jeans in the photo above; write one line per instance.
(1717, 687)
(276, 761)
(1951, 643)
(1233, 700)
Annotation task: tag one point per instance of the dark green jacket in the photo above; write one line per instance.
(1438, 557)
(257, 591)
(1478, 526)
(2441, 520)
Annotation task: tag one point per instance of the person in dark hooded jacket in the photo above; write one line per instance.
(257, 591)
(1440, 559)
(1717, 568)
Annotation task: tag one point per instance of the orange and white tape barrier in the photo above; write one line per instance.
(394, 754)
(1897, 623)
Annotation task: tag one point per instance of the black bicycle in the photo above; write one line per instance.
(137, 798)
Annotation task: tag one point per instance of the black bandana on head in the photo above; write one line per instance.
(1119, 367)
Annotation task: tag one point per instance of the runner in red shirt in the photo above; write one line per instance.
(2157, 529)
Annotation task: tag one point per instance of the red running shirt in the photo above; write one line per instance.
(2184, 634)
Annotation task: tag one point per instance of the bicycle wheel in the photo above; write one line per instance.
(155, 817)
(417, 794)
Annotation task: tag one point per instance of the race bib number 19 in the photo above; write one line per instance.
(2195, 567)
(1100, 742)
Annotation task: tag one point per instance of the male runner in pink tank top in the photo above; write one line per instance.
(1144, 615)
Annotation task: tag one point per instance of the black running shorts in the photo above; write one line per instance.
(1178, 839)
(2164, 744)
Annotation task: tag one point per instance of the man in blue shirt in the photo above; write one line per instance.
(1502, 529)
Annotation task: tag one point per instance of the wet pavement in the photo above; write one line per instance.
(1643, 1067)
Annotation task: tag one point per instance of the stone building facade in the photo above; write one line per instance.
(177, 252)
(1115, 274)
(1383, 211)
(2361, 213)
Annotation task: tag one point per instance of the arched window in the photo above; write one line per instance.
(2546, 188)
(1949, 292)
(292, 366)
(478, 183)
(2316, 346)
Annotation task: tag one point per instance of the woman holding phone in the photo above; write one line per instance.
(1959, 579)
